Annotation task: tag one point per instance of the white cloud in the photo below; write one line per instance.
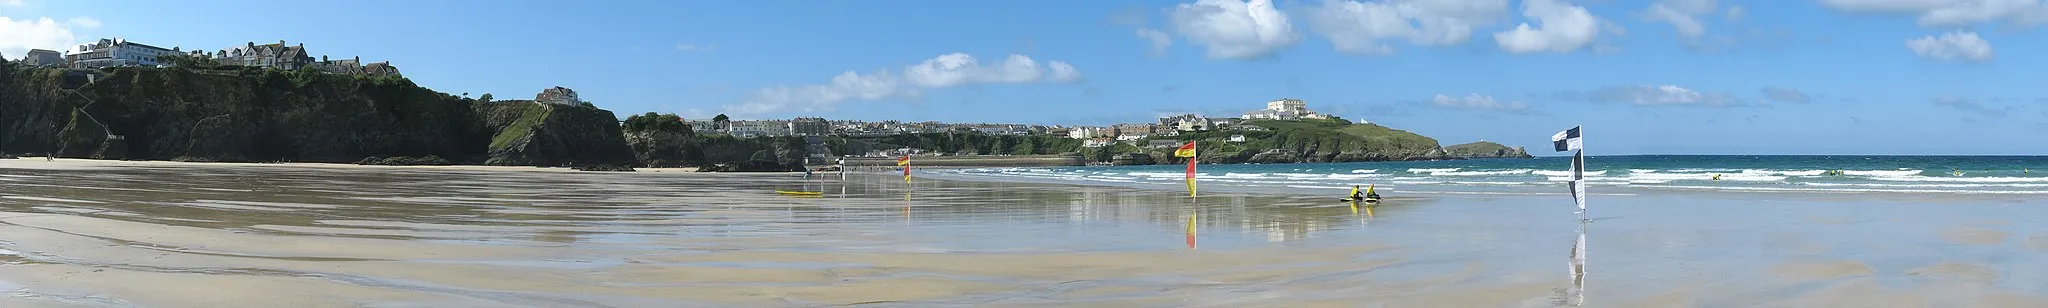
(1563, 28)
(1476, 101)
(1062, 72)
(1954, 45)
(1234, 29)
(1736, 12)
(1160, 41)
(1648, 95)
(1944, 13)
(956, 69)
(13, 2)
(18, 36)
(1359, 26)
(847, 86)
(1684, 15)
(944, 71)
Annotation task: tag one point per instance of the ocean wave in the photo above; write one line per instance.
(1495, 183)
(1353, 176)
(1365, 170)
(1431, 170)
(1699, 170)
(1234, 175)
(1891, 173)
(1735, 177)
(1993, 179)
(1569, 172)
(1891, 185)
(1493, 172)
(1781, 172)
(1333, 187)
(1843, 190)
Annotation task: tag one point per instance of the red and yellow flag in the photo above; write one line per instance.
(1188, 151)
(905, 162)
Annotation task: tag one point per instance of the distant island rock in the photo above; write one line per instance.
(1486, 149)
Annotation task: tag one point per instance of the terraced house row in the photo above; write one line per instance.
(118, 52)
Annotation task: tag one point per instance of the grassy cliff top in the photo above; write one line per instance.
(1370, 133)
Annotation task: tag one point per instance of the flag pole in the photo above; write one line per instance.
(1580, 159)
(1580, 174)
(1572, 140)
(1191, 168)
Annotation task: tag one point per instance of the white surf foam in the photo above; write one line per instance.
(1568, 172)
(1490, 172)
(1844, 190)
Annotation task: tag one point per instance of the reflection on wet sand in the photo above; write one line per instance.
(203, 236)
(325, 237)
(1576, 294)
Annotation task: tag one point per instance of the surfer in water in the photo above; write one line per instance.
(1369, 197)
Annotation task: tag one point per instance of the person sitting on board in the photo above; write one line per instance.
(1369, 196)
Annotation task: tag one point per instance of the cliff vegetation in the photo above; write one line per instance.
(1485, 149)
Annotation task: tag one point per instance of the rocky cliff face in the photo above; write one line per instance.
(657, 145)
(1484, 149)
(256, 115)
(661, 149)
(552, 135)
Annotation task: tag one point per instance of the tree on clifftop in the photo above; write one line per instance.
(655, 122)
(486, 98)
(188, 61)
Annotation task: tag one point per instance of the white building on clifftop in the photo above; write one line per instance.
(115, 52)
(1284, 109)
(558, 95)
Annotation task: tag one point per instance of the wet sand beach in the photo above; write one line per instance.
(123, 234)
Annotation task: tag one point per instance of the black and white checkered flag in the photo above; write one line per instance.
(1567, 140)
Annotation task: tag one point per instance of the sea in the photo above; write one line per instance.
(1614, 174)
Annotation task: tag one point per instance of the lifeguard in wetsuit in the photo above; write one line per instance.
(1369, 195)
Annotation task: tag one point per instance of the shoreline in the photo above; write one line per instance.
(82, 163)
(518, 238)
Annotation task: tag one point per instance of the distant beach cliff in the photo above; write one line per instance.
(216, 113)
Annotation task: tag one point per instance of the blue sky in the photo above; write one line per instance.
(1674, 77)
